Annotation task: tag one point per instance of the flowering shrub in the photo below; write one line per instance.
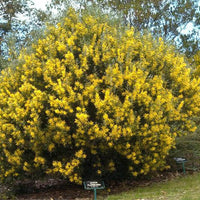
(89, 95)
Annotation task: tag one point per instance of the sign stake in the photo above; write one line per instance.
(94, 185)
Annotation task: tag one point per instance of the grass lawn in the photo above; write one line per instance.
(181, 188)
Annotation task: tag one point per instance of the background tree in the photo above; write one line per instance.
(8, 12)
(20, 24)
(162, 18)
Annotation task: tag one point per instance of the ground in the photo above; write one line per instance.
(59, 190)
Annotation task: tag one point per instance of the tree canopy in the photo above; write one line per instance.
(20, 24)
(8, 12)
(162, 18)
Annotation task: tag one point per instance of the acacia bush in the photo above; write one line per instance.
(93, 99)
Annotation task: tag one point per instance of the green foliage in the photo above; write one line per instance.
(187, 147)
(94, 98)
(196, 62)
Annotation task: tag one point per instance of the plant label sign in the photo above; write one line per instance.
(90, 185)
(180, 160)
(94, 185)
